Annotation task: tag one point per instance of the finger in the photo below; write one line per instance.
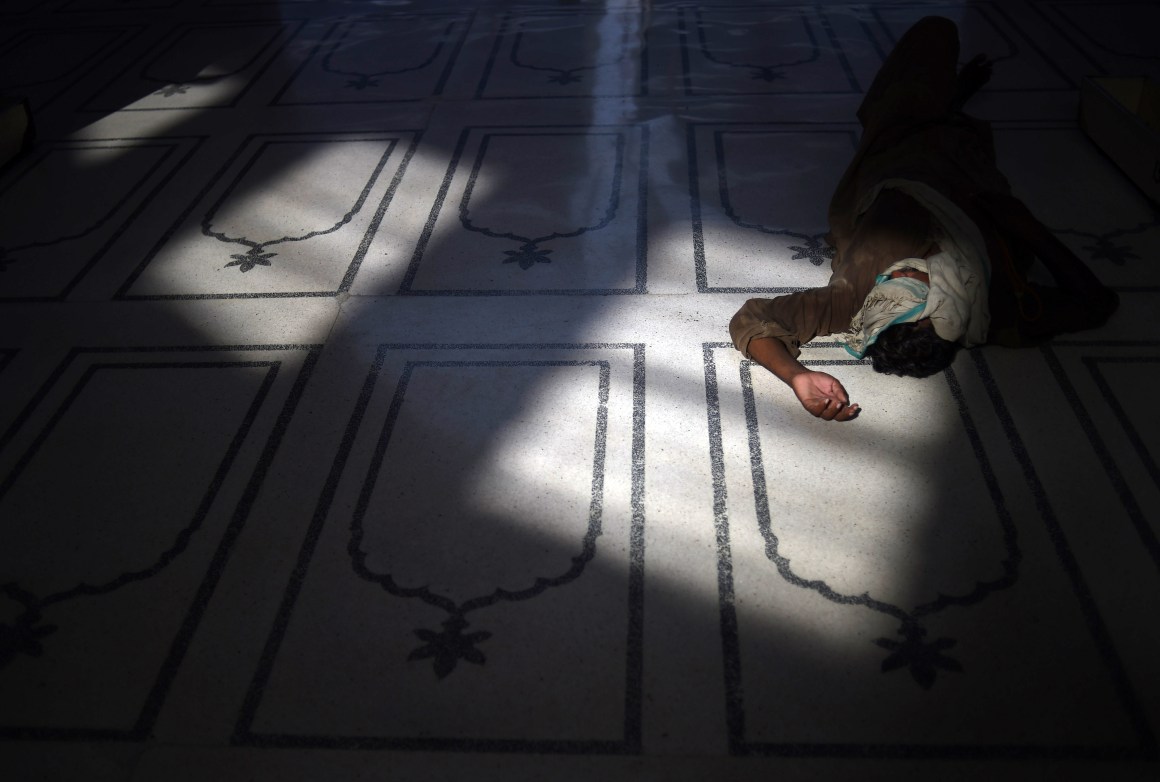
(834, 389)
(832, 410)
(849, 413)
(814, 407)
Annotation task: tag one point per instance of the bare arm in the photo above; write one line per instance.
(820, 394)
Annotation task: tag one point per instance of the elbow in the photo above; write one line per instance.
(741, 326)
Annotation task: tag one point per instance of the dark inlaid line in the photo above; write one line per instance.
(634, 673)
(1122, 488)
(243, 732)
(168, 670)
(243, 728)
(730, 633)
(221, 557)
(1147, 746)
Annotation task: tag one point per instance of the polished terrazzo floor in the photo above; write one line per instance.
(367, 409)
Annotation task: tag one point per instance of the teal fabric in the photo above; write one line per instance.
(890, 301)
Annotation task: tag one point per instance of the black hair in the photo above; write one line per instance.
(912, 350)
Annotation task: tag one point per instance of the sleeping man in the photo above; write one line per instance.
(931, 250)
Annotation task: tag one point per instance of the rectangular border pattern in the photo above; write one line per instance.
(634, 685)
(534, 11)
(174, 168)
(290, 28)
(437, 209)
(464, 14)
(237, 520)
(124, 35)
(122, 293)
(1123, 489)
(700, 262)
(1146, 747)
(686, 35)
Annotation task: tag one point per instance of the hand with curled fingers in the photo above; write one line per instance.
(823, 396)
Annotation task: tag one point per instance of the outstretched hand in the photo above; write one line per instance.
(823, 396)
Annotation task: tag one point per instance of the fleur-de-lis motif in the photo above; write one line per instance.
(247, 261)
(923, 659)
(356, 36)
(447, 648)
(528, 255)
(813, 250)
(767, 74)
(23, 637)
(362, 81)
(565, 77)
(259, 253)
(559, 74)
(173, 89)
(1104, 249)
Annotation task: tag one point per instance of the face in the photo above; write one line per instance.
(913, 273)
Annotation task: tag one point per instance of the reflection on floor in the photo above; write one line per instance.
(367, 409)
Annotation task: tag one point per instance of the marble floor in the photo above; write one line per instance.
(367, 409)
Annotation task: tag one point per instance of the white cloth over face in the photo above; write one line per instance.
(956, 299)
(890, 301)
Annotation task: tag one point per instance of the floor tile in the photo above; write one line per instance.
(95, 588)
(367, 407)
(46, 222)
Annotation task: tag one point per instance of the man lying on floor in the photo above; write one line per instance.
(931, 249)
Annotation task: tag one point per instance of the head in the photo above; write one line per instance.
(911, 349)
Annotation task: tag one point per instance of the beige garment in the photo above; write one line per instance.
(949, 158)
(894, 227)
(959, 274)
(911, 131)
